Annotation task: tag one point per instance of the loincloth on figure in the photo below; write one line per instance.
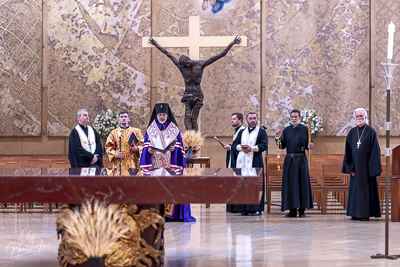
(194, 100)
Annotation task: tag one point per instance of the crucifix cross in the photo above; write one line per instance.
(358, 143)
(194, 41)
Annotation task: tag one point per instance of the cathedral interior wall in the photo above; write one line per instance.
(56, 59)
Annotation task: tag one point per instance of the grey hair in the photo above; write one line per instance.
(364, 111)
(78, 113)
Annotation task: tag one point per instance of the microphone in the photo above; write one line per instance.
(262, 126)
(218, 141)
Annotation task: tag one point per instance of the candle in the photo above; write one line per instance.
(391, 30)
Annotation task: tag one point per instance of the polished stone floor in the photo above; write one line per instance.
(221, 239)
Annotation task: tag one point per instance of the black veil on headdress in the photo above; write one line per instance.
(162, 108)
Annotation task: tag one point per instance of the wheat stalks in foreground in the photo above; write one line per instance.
(95, 228)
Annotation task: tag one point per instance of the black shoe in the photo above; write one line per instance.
(234, 211)
(244, 213)
(255, 213)
(291, 215)
(359, 219)
(302, 215)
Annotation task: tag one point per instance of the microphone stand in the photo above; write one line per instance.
(264, 170)
(389, 69)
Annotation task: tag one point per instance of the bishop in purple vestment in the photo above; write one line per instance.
(163, 148)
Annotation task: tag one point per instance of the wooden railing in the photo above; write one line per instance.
(40, 161)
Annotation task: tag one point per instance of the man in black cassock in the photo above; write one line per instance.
(237, 124)
(85, 149)
(249, 145)
(296, 186)
(362, 160)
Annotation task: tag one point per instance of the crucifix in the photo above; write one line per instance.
(192, 67)
(194, 41)
(358, 143)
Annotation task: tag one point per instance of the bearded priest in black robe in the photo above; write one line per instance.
(296, 186)
(249, 145)
(362, 160)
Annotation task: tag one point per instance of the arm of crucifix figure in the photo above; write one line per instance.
(163, 50)
(212, 59)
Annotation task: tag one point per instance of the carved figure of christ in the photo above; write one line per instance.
(192, 68)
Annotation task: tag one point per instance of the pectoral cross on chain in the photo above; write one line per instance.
(358, 143)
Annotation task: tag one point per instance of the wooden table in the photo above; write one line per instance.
(68, 186)
(206, 161)
(202, 160)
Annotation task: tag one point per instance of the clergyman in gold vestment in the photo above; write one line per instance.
(120, 151)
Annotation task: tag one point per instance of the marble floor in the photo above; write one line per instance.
(221, 239)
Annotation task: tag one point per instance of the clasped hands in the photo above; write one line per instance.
(95, 159)
(246, 149)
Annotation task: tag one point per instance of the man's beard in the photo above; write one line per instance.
(295, 122)
(162, 121)
(360, 122)
(236, 125)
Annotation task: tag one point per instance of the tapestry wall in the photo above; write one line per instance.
(96, 60)
(20, 67)
(231, 84)
(386, 11)
(317, 57)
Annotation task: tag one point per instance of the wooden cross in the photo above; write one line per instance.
(194, 41)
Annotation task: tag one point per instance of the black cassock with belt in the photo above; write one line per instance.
(296, 187)
(365, 162)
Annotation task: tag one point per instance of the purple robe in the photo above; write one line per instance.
(179, 211)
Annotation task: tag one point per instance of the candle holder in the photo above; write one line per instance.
(389, 69)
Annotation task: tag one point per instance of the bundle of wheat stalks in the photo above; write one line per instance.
(95, 228)
(192, 138)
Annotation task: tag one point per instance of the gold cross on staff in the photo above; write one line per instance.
(194, 41)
